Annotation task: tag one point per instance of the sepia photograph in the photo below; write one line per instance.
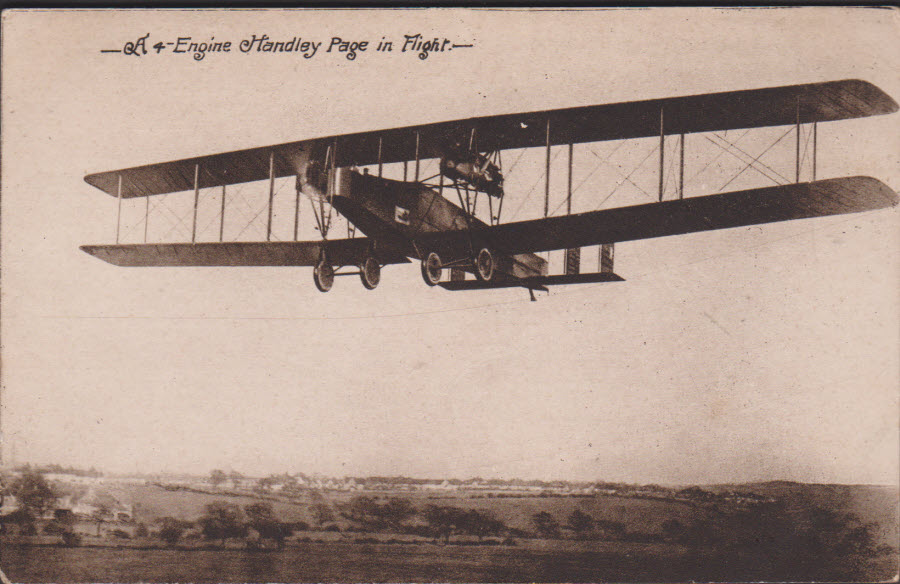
(622, 296)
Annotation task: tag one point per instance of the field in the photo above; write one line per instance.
(638, 515)
(872, 504)
(770, 531)
(333, 562)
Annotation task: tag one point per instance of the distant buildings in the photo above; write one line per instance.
(292, 485)
(98, 506)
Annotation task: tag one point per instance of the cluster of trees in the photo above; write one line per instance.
(321, 512)
(222, 521)
(35, 496)
(442, 521)
(401, 516)
(811, 543)
(217, 477)
(368, 514)
(579, 524)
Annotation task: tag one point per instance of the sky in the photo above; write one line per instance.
(757, 353)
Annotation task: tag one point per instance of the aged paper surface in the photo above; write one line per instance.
(755, 364)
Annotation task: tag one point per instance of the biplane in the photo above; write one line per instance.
(435, 222)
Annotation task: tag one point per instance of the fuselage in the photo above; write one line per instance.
(398, 214)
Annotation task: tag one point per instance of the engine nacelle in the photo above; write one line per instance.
(476, 170)
(312, 178)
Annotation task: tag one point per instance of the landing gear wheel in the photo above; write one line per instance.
(323, 276)
(431, 269)
(484, 265)
(370, 273)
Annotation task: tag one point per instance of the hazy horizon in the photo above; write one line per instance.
(201, 475)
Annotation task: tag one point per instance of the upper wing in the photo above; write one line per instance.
(734, 209)
(276, 253)
(753, 108)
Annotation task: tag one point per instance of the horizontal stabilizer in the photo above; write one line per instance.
(275, 253)
(534, 282)
(577, 279)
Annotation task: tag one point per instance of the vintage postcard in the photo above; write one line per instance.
(621, 295)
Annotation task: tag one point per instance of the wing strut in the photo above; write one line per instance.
(146, 216)
(296, 207)
(119, 211)
(547, 174)
(815, 132)
(196, 201)
(417, 157)
(499, 163)
(681, 167)
(573, 255)
(662, 151)
(271, 194)
(221, 217)
(379, 156)
(798, 141)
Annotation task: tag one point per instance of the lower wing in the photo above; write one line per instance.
(734, 209)
(275, 253)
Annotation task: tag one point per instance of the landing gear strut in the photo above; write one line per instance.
(431, 269)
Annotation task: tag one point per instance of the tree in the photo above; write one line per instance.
(71, 539)
(362, 510)
(673, 530)
(369, 514)
(59, 525)
(545, 524)
(265, 484)
(261, 511)
(291, 485)
(482, 524)
(607, 529)
(261, 517)
(172, 529)
(443, 521)
(395, 512)
(580, 522)
(20, 517)
(321, 513)
(99, 515)
(222, 521)
(217, 477)
(34, 493)
(235, 478)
